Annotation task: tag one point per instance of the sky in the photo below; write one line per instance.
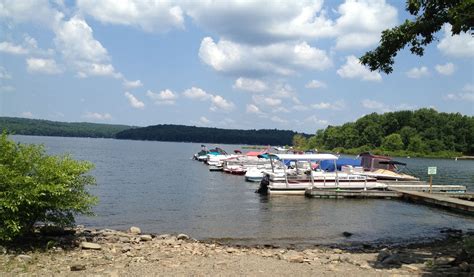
(237, 64)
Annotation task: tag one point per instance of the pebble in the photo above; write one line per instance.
(412, 267)
(24, 258)
(78, 267)
(464, 266)
(124, 239)
(182, 237)
(135, 230)
(443, 260)
(145, 238)
(90, 245)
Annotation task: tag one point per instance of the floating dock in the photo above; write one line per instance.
(439, 200)
(454, 198)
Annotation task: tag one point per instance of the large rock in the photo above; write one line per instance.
(135, 230)
(90, 245)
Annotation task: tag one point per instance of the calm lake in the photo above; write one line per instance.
(156, 186)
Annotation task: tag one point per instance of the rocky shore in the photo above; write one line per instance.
(130, 253)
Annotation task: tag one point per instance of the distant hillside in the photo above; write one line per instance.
(38, 127)
(208, 135)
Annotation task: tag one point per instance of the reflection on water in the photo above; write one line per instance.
(155, 185)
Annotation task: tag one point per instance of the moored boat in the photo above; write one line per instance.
(383, 168)
(304, 173)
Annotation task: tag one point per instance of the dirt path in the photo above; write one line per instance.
(115, 253)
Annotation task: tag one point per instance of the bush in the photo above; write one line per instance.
(37, 188)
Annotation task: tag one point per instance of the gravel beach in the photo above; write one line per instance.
(130, 253)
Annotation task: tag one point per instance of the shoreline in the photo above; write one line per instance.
(114, 253)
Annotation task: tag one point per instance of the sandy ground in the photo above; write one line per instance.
(89, 252)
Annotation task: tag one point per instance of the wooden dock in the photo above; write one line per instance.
(454, 201)
(439, 200)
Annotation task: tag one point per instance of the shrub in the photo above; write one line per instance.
(38, 188)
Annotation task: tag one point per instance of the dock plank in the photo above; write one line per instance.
(438, 199)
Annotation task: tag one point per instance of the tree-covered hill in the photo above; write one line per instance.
(38, 127)
(421, 132)
(209, 135)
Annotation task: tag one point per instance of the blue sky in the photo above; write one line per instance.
(228, 64)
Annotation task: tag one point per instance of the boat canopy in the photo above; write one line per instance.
(329, 166)
(306, 157)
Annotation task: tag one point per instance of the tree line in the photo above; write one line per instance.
(37, 127)
(183, 133)
(424, 132)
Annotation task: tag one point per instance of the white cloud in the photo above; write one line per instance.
(166, 97)
(132, 84)
(466, 95)
(27, 114)
(315, 84)
(204, 120)
(280, 110)
(97, 116)
(282, 58)
(7, 88)
(28, 46)
(374, 105)
(253, 85)
(253, 109)
(337, 105)
(10, 48)
(417, 73)
(468, 88)
(197, 94)
(278, 120)
(151, 16)
(219, 103)
(315, 120)
(75, 40)
(459, 46)
(262, 22)
(446, 69)
(354, 69)
(300, 108)
(46, 66)
(284, 91)
(4, 74)
(38, 11)
(361, 23)
(405, 107)
(266, 101)
(134, 102)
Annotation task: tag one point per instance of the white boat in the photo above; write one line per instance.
(239, 165)
(302, 176)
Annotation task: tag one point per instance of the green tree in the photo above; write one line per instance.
(392, 142)
(299, 141)
(430, 16)
(406, 133)
(417, 145)
(37, 188)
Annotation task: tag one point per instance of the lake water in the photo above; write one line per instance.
(156, 186)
